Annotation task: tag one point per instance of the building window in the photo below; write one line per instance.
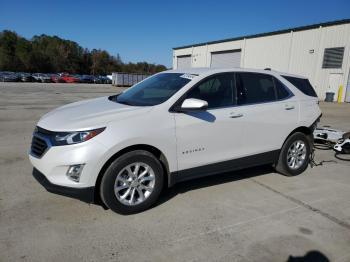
(333, 57)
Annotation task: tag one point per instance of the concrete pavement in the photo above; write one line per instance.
(250, 215)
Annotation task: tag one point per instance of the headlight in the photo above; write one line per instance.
(69, 138)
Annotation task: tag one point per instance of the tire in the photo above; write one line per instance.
(346, 135)
(285, 162)
(121, 174)
(346, 148)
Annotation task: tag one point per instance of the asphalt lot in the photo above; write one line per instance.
(251, 215)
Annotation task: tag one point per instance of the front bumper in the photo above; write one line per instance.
(86, 194)
(56, 160)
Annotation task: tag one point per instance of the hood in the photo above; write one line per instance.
(88, 114)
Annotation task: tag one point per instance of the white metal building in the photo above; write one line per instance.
(320, 52)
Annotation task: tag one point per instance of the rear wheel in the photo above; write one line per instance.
(346, 147)
(295, 155)
(132, 183)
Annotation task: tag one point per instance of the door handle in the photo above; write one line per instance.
(235, 115)
(289, 107)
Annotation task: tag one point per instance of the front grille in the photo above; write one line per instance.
(39, 146)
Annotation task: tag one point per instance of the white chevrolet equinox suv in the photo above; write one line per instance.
(121, 151)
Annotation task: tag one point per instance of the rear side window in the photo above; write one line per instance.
(302, 84)
(254, 88)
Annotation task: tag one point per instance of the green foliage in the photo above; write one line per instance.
(50, 54)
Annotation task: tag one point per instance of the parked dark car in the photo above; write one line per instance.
(86, 79)
(25, 77)
(96, 80)
(36, 77)
(9, 77)
(105, 80)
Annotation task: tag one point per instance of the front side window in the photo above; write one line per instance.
(254, 88)
(154, 90)
(218, 91)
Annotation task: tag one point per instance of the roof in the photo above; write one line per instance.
(192, 70)
(295, 29)
(208, 71)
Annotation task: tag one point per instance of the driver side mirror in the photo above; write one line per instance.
(193, 104)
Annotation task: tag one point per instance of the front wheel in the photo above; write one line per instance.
(295, 155)
(132, 183)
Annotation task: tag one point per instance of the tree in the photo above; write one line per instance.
(52, 54)
(8, 59)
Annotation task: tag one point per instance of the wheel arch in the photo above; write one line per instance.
(153, 150)
(302, 129)
(279, 165)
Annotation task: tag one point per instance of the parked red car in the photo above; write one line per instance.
(56, 78)
(70, 79)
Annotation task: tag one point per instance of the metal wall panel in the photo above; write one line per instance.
(199, 56)
(126, 79)
(347, 91)
(268, 52)
(299, 52)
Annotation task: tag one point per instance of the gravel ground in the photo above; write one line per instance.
(250, 215)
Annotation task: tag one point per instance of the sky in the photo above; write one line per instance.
(148, 30)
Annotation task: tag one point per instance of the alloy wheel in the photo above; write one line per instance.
(134, 183)
(296, 154)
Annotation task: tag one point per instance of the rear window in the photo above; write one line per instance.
(302, 84)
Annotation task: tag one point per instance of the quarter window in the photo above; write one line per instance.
(218, 91)
(255, 88)
(281, 90)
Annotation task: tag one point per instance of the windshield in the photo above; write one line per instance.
(154, 90)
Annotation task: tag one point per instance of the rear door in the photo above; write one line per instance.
(269, 112)
(309, 109)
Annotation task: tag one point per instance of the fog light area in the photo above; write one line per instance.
(74, 171)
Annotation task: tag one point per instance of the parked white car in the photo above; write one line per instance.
(123, 150)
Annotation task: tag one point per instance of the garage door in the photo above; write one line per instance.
(183, 61)
(226, 59)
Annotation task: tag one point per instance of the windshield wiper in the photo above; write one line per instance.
(115, 99)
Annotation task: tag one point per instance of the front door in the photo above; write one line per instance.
(213, 135)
